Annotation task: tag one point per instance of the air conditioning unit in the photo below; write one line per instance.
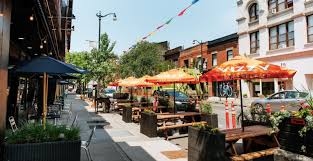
(273, 11)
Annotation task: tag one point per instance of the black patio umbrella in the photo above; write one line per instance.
(46, 65)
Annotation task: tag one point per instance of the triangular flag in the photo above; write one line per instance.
(160, 26)
(195, 1)
(183, 11)
(169, 21)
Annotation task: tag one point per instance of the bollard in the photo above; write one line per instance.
(227, 114)
(268, 108)
(233, 116)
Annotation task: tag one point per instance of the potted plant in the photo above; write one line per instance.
(205, 144)
(127, 113)
(295, 130)
(34, 142)
(207, 114)
(148, 123)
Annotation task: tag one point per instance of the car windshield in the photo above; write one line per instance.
(109, 91)
(178, 95)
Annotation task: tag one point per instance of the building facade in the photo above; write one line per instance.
(172, 55)
(191, 57)
(214, 52)
(281, 33)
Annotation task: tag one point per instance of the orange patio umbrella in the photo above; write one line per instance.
(172, 77)
(242, 68)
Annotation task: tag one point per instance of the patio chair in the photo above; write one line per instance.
(12, 123)
(85, 144)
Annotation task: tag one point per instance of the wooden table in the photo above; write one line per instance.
(250, 133)
(172, 117)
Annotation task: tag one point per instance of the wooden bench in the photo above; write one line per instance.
(168, 127)
(254, 155)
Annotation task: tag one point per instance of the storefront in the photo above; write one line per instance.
(225, 89)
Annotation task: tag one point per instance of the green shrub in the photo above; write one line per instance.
(206, 107)
(35, 133)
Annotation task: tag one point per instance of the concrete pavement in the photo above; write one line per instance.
(115, 140)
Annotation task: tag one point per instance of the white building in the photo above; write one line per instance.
(279, 32)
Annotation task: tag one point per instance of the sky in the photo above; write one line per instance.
(206, 20)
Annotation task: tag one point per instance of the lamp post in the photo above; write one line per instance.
(99, 15)
(201, 43)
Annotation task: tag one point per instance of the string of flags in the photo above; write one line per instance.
(181, 13)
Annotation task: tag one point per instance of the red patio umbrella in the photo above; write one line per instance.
(242, 68)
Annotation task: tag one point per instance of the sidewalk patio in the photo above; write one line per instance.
(115, 140)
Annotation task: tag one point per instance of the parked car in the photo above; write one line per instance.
(108, 92)
(291, 99)
(182, 101)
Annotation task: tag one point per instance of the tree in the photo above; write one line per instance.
(102, 63)
(144, 59)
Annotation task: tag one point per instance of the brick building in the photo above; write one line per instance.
(173, 55)
(214, 52)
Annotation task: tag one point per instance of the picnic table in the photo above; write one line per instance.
(251, 134)
(172, 118)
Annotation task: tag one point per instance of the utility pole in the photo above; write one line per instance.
(201, 53)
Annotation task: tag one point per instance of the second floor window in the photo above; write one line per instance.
(186, 63)
(282, 36)
(254, 42)
(214, 59)
(310, 28)
(279, 5)
(230, 55)
(254, 12)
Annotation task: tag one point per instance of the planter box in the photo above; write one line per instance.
(127, 114)
(211, 119)
(290, 140)
(51, 151)
(205, 146)
(148, 124)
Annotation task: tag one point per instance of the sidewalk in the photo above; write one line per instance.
(115, 140)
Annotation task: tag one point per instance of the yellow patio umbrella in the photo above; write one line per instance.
(172, 77)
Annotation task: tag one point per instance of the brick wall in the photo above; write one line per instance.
(192, 53)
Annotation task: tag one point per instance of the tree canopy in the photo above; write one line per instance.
(102, 63)
(143, 59)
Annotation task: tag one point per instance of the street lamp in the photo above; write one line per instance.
(201, 43)
(99, 15)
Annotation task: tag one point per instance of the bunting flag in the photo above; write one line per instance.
(181, 13)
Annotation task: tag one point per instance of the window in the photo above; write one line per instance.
(186, 63)
(282, 36)
(199, 63)
(310, 28)
(230, 54)
(279, 5)
(254, 42)
(214, 59)
(254, 12)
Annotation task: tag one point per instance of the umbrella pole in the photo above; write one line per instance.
(44, 100)
(147, 97)
(174, 99)
(241, 106)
